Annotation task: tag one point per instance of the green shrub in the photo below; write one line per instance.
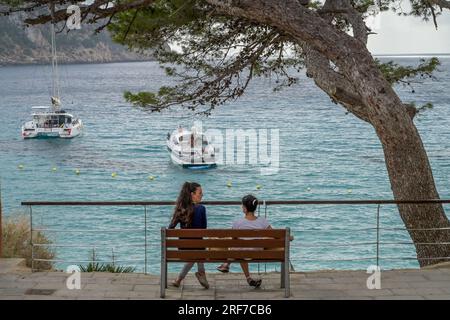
(108, 267)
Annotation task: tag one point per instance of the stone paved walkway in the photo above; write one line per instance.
(397, 284)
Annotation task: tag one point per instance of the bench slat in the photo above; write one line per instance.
(204, 255)
(224, 233)
(226, 243)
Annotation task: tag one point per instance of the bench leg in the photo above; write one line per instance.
(283, 275)
(163, 280)
(287, 282)
(286, 264)
(163, 271)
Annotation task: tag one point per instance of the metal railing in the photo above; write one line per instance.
(263, 206)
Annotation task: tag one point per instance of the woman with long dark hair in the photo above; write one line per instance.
(190, 214)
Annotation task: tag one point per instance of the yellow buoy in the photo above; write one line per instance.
(258, 187)
(349, 190)
(54, 169)
(77, 172)
(114, 175)
(20, 166)
(308, 189)
(151, 178)
(229, 184)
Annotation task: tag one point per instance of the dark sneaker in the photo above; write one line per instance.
(254, 283)
(176, 283)
(202, 279)
(223, 269)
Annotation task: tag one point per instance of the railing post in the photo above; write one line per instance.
(265, 209)
(31, 238)
(145, 239)
(113, 257)
(378, 235)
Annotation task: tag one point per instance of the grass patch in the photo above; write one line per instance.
(17, 243)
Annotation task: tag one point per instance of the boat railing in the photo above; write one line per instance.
(41, 107)
(188, 152)
(372, 228)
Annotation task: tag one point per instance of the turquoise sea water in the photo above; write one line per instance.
(324, 154)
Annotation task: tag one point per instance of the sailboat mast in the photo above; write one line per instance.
(55, 75)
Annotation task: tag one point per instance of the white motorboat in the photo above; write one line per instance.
(51, 121)
(190, 149)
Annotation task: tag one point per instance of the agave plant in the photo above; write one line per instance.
(106, 267)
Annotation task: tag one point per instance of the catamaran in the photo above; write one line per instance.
(52, 121)
(190, 149)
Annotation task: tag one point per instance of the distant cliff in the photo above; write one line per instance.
(32, 45)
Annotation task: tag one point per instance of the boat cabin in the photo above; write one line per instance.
(55, 119)
(190, 139)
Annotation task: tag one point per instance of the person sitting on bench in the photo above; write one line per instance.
(190, 214)
(249, 221)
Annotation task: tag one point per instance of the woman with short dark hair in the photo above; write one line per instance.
(249, 221)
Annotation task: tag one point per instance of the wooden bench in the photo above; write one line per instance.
(225, 245)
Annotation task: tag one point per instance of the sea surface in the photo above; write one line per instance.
(324, 154)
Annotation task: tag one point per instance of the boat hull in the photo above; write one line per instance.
(193, 163)
(199, 166)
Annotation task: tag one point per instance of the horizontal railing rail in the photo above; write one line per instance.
(220, 203)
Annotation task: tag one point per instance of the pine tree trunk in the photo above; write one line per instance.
(412, 179)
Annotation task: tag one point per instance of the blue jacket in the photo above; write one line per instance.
(198, 221)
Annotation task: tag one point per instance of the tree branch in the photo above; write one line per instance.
(338, 88)
(345, 9)
(99, 9)
(440, 3)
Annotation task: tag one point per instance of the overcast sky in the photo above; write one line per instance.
(399, 35)
(406, 35)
